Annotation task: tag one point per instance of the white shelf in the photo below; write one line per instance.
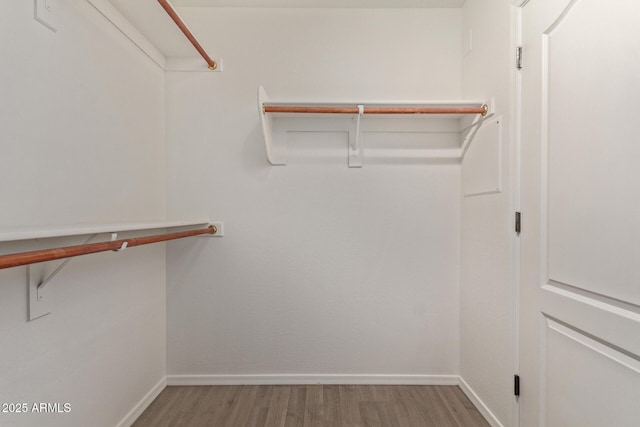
(275, 125)
(378, 103)
(43, 232)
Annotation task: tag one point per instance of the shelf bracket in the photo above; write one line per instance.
(275, 154)
(64, 263)
(46, 13)
(39, 297)
(355, 142)
(470, 131)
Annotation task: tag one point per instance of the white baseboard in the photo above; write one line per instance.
(291, 379)
(143, 404)
(484, 409)
(301, 379)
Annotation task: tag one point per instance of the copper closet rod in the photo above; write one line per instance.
(183, 27)
(24, 258)
(374, 110)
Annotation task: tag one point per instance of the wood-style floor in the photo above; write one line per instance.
(312, 405)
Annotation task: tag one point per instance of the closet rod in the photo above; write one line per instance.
(374, 110)
(183, 27)
(24, 258)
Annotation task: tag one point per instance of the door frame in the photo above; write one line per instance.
(515, 110)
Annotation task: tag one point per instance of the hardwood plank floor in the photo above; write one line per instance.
(311, 406)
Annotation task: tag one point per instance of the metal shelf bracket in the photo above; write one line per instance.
(39, 297)
(355, 141)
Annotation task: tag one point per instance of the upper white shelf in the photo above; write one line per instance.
(404, 108)
(26, 233)
(369, 110)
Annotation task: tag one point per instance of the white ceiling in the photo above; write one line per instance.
(322, 3)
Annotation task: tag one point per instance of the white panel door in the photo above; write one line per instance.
(580, 240)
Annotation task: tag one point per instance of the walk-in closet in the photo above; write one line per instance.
(319, 212)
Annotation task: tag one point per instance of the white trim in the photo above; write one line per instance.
(290, 379)
(464, 103)
(143, 404)
(479, 404)
(294, 379)
(515, 205)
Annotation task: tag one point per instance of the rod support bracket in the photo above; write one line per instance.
(216, 229)
(39, 306)
(355, 143)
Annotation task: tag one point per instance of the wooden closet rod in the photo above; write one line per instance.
(375, 110)
(183, 27)
(24, 258)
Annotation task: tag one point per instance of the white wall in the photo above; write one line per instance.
(323, 269)
(486, 298)
(82, 140)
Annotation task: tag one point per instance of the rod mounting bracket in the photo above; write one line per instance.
(217, 228)
(39, 297)
(355, 141)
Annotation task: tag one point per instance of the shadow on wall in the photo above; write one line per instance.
(254, 154)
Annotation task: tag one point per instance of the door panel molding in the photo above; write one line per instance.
(609, 323)
(582, 372)
(588, 234)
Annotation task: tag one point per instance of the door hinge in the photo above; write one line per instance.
(518, 222)
(516, 385)
(519, 57)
